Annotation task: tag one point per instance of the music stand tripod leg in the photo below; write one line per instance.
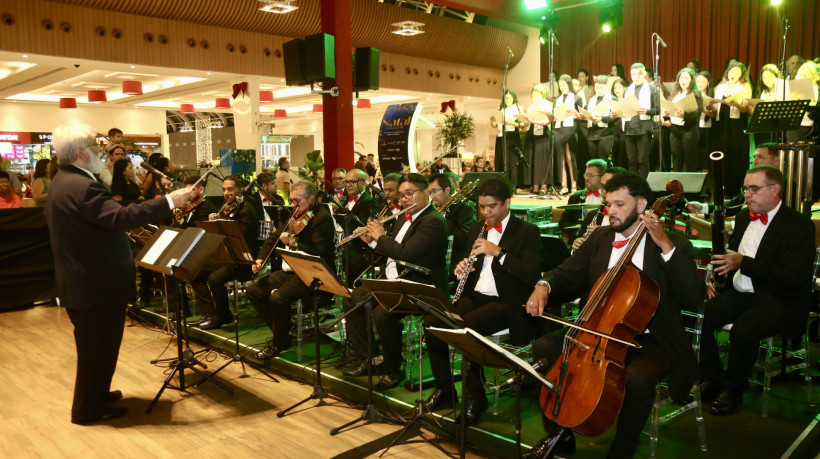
(319, 392)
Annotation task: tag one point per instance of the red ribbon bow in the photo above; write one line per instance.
(597, 193)
(451, 104)
(619, 244)
(353, 198)
(496, 227)
(395, 206)
(764, 218)
(240, 87)
(408, 217)
(264, 200)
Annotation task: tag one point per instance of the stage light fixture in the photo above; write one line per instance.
(610, 14)
(535, 4)
(543, 36)
(776, 2)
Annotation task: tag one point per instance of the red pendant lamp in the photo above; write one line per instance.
(223, 102)
(265, 96)
(96, 96)
(186, 109)
(280, 113)
(68, 102)
(363, 103)
(132, 88)
(318, 108)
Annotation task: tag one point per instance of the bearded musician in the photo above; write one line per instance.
(311, 232)
(209, 285)
(508, 264)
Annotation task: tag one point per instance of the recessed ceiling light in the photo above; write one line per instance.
(408, 28)
(25, 56)
(209, 73)
(133, 66)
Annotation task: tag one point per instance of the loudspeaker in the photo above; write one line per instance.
(365, 69)
(484, 176)
(294, 55)
(320, 63)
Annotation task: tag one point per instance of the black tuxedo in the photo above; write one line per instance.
(514, 281)
(356, 252)
(209, 285)
(272, 296)
(424, 244)
(460, 217)
(571, 217)
(95, 275)
(199, 214)
(666, 348)
(638, 134)
(781, 274)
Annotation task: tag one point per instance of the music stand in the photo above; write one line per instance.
(316, 274)
(180, 254)
(233, 250)
(406, 297)
(478, 349)
(777, 116)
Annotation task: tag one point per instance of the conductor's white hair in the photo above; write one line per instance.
(69, 139)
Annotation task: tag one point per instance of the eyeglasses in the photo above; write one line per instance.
(591, 175)
(351, 182)
(296, 201)
(409, 194)
(336, 179)
(435, 191)
(753, 189)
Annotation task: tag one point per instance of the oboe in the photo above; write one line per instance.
(462, 279)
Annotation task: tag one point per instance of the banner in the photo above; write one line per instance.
(397, 134)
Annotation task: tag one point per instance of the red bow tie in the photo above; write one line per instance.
(264, 200)
(408, 217)
(605, 211)
(339, 192)
(496, 227)
(353, 198)
(597, 193)
(764, 218)
(619, 244)
(395, 206)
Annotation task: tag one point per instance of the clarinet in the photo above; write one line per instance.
(719, 215)
(462, 279)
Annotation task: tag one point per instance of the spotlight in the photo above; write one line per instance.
(610, 15)
(543, 37)
(535, 4)
(549, 20)
(776, 2)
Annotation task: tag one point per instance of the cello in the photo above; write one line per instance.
(591, 371)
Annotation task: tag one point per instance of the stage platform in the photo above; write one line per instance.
(792, 424)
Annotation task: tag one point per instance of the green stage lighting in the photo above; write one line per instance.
(535, 4)
(610, 15)
(606, 28)
(776, 2)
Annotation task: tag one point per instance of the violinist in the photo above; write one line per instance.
(209, 285)
(197, 209)
(508, 263)
(310, 231)
(666, 349)
(460, 215)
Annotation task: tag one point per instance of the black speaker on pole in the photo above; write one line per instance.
(320, 62)
(294, 54)
(365, 69)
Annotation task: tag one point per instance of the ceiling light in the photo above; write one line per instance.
(223, 103)
(96, 96)
(280, 113)
(408, 28)
(265, 96)
(68, 102)
(186, 109)
(132, 88)
(318, 108)
(363, 103)
(186, 128)
(278, 6)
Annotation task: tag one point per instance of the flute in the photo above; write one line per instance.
(361, 231)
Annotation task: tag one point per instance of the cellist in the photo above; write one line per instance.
(665, 348)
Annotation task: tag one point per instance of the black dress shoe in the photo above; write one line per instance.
(361, 370)
(441, 398)
(564, 446)
(204, 318)
(112, 396)
(211, 324)
(474, 407)
(110, 412)
(389, 380)
(727, 402)
(270, 351)
(709, 390)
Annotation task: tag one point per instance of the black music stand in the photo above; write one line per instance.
(407, 297)
(234, 250)
(777, 116)
(317, 275)
(478, 349)
(180, 254)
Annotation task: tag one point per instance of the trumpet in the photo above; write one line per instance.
(361, 231)
(462, 194)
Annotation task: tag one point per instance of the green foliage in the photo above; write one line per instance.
(314, 169)
(453, 129)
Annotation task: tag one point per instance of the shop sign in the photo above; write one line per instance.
(15, 137)
(40, 137)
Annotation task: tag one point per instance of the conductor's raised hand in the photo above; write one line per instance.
(181, 196)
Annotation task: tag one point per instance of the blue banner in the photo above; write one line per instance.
(397, 137)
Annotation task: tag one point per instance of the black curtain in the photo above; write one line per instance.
(26, 260)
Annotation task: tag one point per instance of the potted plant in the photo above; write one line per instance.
(314, 168)
(454, 128)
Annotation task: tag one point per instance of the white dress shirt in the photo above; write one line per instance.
(486, 281)
(748, 248)
(390, 270)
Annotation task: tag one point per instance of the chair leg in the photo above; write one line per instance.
(299, 324)
(767, 377)
(699, 418)
(653, 434)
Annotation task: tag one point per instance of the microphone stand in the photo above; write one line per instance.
(503, 109)
(782, 52)
(553, 192)
(658, 83)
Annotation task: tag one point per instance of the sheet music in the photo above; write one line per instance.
(800, 89)
(601, 109)
(162, 243)
(191, 246)
(630, 106)
(586, 114)
(562, 112)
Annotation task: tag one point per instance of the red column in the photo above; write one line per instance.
(338, 111)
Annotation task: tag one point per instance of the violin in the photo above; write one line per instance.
(180, 214)
(229, 209)
(591, 371)
(296, 225)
